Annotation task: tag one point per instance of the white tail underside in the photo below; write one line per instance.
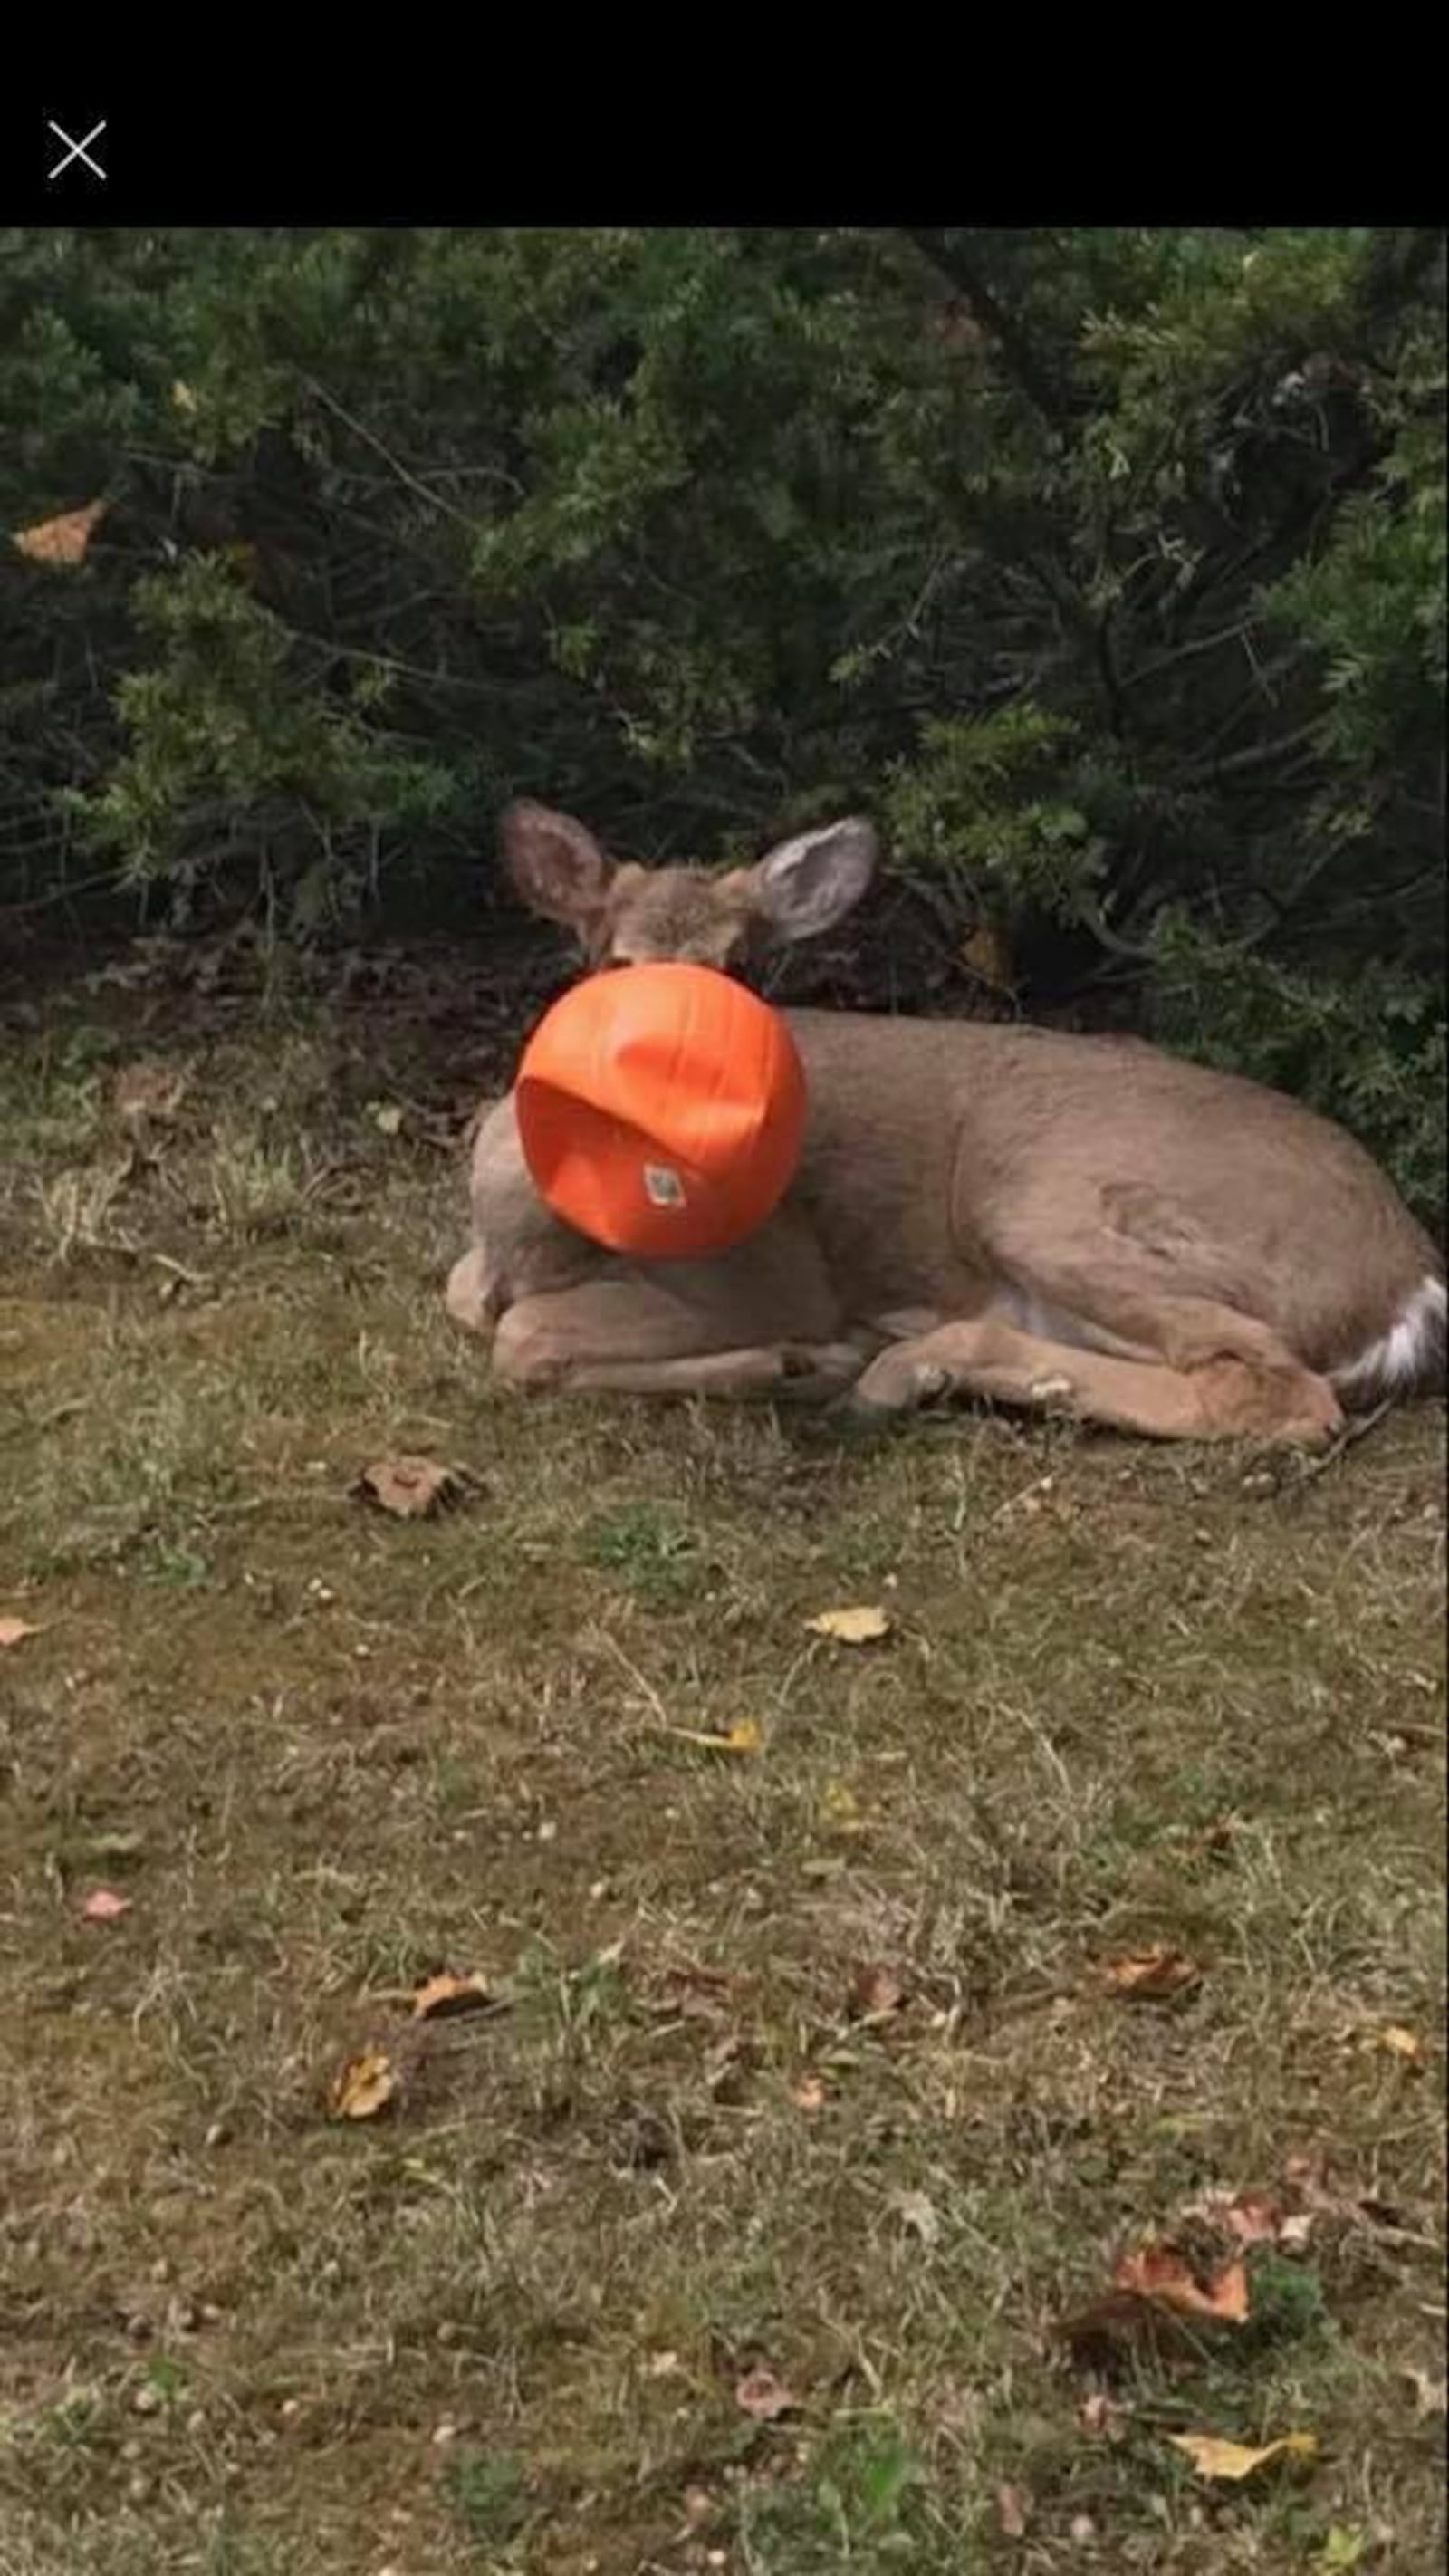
(1405, 1353)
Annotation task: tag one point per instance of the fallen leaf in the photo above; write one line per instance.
(1213, 2458)
(1165, 2276)
(860, 1627)
(1149, 1976)
(411, 1489)
(1155, 2292)
(875, 1990)
(365, 2086)
(387, 1116)
(840, 1809)
(1395, 2041)
(440, 1996)
(745, 1736)
(182, 397)
(809, 2094)
(13, 1632)
(103, 1905)
(765, 2397)
(63, 540)
(1011, 2513)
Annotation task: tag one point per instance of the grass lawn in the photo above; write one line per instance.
(738, 2229)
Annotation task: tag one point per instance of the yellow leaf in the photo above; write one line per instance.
(858, 1627)
(365, 2086)
(1395, 2041)
(63, 540)
(13, 1632)
(1232, 2460)
(182, 397)
(743, 1737)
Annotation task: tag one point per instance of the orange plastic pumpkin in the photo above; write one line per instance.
(661, 1110)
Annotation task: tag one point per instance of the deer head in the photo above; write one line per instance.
(625, 915)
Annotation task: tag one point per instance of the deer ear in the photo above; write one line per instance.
(807, 884)
(555, 865)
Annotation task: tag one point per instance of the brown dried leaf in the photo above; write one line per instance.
(1155, 2294)
(64, 540)
(875, 1990)
(1150, 1976)
(441, 1996)
(1213, 2458)
(765, 2397)
(13, 1632)
(365, 2086)
(853, 1627)
(103, 1905)
(411, 1489)
(1164, 2275)
(809, 2094)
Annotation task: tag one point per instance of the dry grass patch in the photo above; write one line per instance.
(806, 2059)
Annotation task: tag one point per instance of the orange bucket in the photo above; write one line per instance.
(661, 1110)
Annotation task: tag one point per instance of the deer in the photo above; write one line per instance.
(1070, 1224)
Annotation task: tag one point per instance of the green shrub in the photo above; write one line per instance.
(1108, 565)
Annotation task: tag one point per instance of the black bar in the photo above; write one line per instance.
(610, 138)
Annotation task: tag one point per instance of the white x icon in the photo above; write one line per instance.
(76, 151)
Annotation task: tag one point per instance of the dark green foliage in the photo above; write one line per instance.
(1107, 566)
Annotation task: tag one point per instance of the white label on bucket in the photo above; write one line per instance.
(662, 1187)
